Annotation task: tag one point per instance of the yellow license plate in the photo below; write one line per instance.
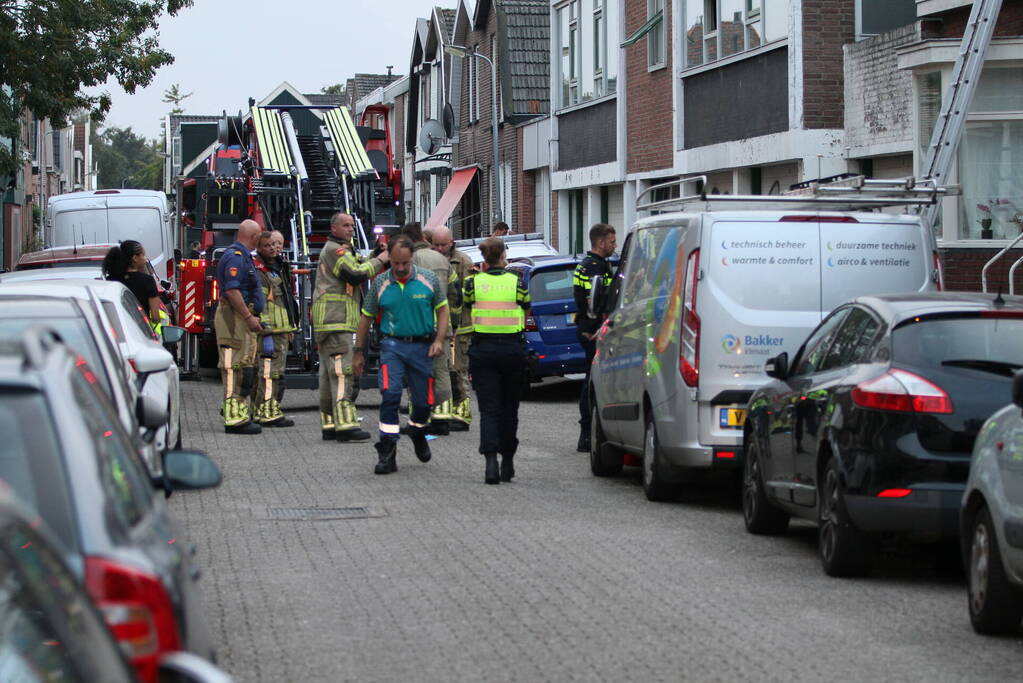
(732, 418)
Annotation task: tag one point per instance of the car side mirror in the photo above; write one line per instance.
(172, 334)
(150, 411)
(1017, 389)
(165, 284)
(184, 667)
(150, 360)
(190, 471)
(778, 367)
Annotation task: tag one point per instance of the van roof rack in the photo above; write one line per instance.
(520, 237)
(855, 193)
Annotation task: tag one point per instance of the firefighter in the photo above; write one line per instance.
(336, 301)
(590, 284)
(278, 320)
(413, 319)
(426, 258)
(461, 323)
(497, 357)
(237, 324)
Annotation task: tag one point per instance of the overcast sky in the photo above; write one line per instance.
(229, 50)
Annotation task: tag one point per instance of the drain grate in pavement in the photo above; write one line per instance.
(316, 513)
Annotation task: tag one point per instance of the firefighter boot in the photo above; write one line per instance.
(327, 426)
(422, 446)
(461, 417)
(388, 460)
(346, 421)
(491, 475)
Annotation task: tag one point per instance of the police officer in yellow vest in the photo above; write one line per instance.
(278, 320)
(497, 357)
(336, 302)
(237, 324)
(461, 322)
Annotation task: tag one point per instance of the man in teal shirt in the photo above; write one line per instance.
(413, 310)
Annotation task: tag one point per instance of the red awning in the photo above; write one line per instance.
(456, 188)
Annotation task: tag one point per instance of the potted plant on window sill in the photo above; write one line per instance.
(985, 221)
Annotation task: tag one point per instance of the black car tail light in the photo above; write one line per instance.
(902, 392)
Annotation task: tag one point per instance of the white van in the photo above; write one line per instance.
(702, 299)
(110, 216)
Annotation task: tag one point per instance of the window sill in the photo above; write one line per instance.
(737, 57)
(587, 103)
(657, 67)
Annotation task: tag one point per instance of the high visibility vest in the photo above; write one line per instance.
(496, 309)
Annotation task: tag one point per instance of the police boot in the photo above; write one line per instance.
(388, 460)
(507, 468)
(422, 446)
(584, 440)
(491, 475)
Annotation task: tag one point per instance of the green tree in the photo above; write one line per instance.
(173, 95)
(336, 89)
(51, 50)
(124, 159)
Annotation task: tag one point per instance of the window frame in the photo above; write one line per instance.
(754, 12)
(656, 50)
(581, 43)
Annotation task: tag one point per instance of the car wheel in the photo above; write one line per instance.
(996, 606)
(760, 515)
(605, 459)
(654, 485)
(843, 548)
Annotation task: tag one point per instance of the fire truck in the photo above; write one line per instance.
(289, 168)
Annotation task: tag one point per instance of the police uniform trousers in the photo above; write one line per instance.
(237, 362)
(461, 407)
(339, 387)
(496, 363)
(270, 388)
(590, 347)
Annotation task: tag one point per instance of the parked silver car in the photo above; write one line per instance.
(992, 521)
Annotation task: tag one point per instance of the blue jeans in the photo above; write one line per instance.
(404, 362)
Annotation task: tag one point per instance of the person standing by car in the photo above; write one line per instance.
(278, 321)
(126, 263)
(497, 357)
(461, 323)
(339, 277)
(427, 259)
(414, 321)
(590, 284)
(237, 326)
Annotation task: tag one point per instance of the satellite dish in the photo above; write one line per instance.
(431, 135)
(449, 120)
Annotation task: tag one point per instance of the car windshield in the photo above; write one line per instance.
(57, 264)
(74, 332)
(551, 284)
(987, 344)
(30, 462)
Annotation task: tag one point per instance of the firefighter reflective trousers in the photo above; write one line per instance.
(339, 387)
(270, 389)
(238, 374)
(462, 409)
(404, 363)
(497, 367)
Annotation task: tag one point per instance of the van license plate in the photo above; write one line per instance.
(732, 418)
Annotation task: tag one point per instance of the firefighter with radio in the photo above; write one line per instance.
(337, 299)
(591, 282)
(461, 323)
(278, 321)
(237, 326)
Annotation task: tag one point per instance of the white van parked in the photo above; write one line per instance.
(704, 297)
(110, 216)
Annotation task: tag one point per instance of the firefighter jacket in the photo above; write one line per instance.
(277, 316)
(590, 301)
(423, 256)
(339, 278)
(461, 314)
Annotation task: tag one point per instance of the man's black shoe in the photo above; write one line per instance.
(353, 435)
(328, 434)
(507, 468)
(457, 426)
(247, 428)
(491, 474)
(388, 461)
(584, 442)
(280, 422)
(422, 446)
(439, 428)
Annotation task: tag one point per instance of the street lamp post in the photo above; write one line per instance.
(459, 51)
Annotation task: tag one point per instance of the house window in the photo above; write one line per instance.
(655, 43)
(715, 29)
(878, 16)
(586, 56)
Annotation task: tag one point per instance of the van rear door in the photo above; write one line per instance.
(137, 218)
(859, 257)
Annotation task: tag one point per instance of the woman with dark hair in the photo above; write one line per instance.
(126, 263)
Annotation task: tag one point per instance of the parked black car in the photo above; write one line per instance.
(65, 454)
(870, 427)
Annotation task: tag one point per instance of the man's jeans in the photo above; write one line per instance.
(402, 362)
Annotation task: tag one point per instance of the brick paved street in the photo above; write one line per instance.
(556, 576)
